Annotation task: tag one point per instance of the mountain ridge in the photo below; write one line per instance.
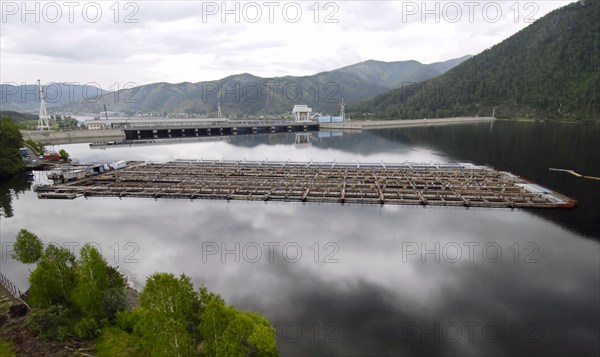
(246, 94)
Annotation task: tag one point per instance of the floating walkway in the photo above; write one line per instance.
(451, 184)
(10, 295)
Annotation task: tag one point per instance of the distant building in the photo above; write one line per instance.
(334, 119)
(301, 113)
(330, 119)
(98, 125)
(121, 123)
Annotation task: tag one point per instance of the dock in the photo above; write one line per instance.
(181, 128)
(166, 129)
(444, 184)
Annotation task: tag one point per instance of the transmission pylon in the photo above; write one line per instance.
(219, 113)
(43, 115)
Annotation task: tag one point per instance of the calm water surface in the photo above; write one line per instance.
(365, 280)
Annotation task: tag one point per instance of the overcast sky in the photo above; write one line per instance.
(115, 43)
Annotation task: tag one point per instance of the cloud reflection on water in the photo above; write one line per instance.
(376, 299)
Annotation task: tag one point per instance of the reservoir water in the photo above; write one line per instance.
(363, 280)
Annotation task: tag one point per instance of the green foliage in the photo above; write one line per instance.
(168, 295)
(17, 116)
(38, 148)
(168, 308)
(547, 70)
(52, 323)
(215, 320)
(87, 328)
(23, 121)
(67, 123)
(64, 155)
(171, 338)
(114, 341)
(72, 296)
(88, 284)
(115, 278)
(28, 247)
(10, 143)
(85, 298)
(229, 332)
(262, 335)
(92, 282)
(54, 278)
(126, 320)
(207, 297)
(113, 302)
(6, 349)
(174, 320)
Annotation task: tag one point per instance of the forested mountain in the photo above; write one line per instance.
(396, 74)
(550, 69)
(245, 94)
(445, 66)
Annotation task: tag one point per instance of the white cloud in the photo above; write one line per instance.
(189, 41)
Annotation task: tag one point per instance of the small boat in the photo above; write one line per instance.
(57, 195)
(74, 174)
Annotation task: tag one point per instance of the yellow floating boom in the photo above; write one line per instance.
(574, 173)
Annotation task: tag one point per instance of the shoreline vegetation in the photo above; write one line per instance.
(86, 303)
(13, 160)
(11, 141)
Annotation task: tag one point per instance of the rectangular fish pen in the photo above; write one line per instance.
(446, 184)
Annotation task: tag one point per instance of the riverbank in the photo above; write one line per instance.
(562, 121)
(385, 124)
(74, 136)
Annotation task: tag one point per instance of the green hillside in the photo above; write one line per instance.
(549, 70)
